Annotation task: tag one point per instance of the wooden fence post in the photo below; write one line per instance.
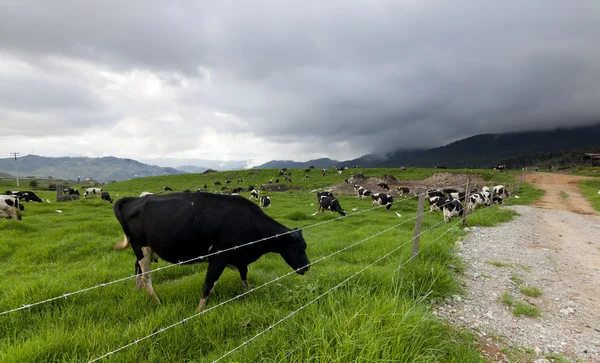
(466, 209)
(417, 234)
(59, 191)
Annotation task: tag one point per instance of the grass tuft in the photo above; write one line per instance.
(498, 263)
(524, 309)
(531, 291)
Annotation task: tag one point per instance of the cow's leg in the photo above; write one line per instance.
(243, 270)
(146, 278)
(138, 269)
(215, 269)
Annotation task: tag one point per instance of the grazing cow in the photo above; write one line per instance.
(475, 200)
(9, 207)
(460, 196)
(145, 193)
(436, 203)
(217, 183)
(180, 227)
(383, 186)
(265, 201)
(500, 190)
(307, 177)
(324, 194)
(447, 191)
(404, 191)
(281, 172)
(240, 180)
(499, 200)
(254, 193)
(311, 167)
(383, 199)
(251, 187)
(166, 189)
(323, 171)
(237, 190)
(434, 193)
(307, 170)
(90, 191)
(15, 200)
(71, 191)
(224, 188)
(500, 167)
(362, 192)
(332, 204)
(451, 209)
(485, 189)
(270, 181)
(106, 197)
(340, 170)
(205, 187)
(28, 196)
(228, 181)
(276, 181)
(186, 190)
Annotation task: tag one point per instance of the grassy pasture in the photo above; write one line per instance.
(380, 315)
(590, 189)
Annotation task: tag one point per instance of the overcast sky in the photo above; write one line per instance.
(266, 80)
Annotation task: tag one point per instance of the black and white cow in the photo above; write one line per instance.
(237, 190)
(383, 186)
(383, 199)
(307, 170)
(330, 204)
(106, 197)
(434, 193)
(451, 209)
(254, 193)
(165, 188)
(70, 191)
(186, 190)
(184, 226)
(499, 200)
(500, 190)
(9, 207)
(240, 180)
(447, 191)
(28, 196)
(91, 191)
(436, 203)
(217, 183)
(362, 192)
(228, 181)
(403, 191)
(265, 201)
(324, 194)
(475, 200)
(323, 171)
(499, 167)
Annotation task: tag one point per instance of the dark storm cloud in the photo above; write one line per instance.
(383, 74)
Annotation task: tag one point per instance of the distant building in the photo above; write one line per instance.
(590, 159)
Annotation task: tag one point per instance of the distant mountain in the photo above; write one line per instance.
(191, 168)
(200, 163)
(560, 146)
(99, 169)
(317, 163)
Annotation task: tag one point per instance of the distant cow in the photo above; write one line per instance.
(166, 189)
(434, 193)
(9, 207)
(311, 167)
(28, 196)
(218, 183)
(307, 170)
(240, 180)
(90, 191)
(500, 190)
(436, 203)
(383, 186)
(383, 199)
(500, 167)
(106, 197)
(254, 193)
(182, 227)
(265, 201)
(205, 187)
(237, 190)
(323, 171)
(186, 190)
(228, 181)
(71, 191)
(276, 181)
(362, 192)
(404, 191)
(330, 204)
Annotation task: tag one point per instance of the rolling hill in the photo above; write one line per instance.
(99, 169)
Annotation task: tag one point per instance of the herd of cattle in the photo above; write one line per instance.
(11, 202)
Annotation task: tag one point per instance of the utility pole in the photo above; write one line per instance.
(16, 169)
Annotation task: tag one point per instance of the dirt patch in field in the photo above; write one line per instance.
(553, 184)
(436, 181)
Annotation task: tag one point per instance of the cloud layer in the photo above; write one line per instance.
(273, 80)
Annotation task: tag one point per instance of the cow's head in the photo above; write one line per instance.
(294, 252)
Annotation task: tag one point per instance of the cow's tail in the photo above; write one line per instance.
(119, 214)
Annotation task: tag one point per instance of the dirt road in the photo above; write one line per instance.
(555, 246)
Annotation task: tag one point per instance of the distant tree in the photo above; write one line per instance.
(33, 183)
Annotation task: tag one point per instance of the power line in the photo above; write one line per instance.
(15, 154)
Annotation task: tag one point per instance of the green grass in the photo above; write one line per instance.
(516, 279)
(590, 189)
(524, 309)
(507, 299)
(564, 195)
(531, 291)
(382, 314)
(528, 194)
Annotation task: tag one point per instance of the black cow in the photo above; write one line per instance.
(276, 181)
(332, 204)
(28, 196)
(205, 187)
(324, 194)
(383, 186)
(224, 188)
(307, 170)
(218, 183)
(184, 226)
(265, 201)
(311, 167)
(237, 190)
(106, 197)
(383, 199)
(167, 189)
